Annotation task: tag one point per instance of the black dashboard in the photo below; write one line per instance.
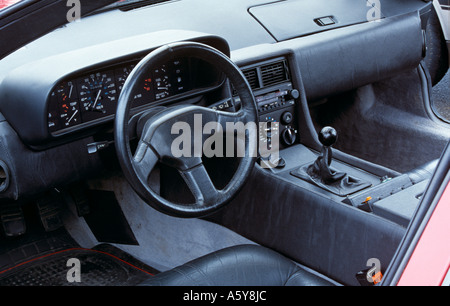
(54, 101)
(58, 103)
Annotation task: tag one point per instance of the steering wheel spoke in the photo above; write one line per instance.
(144, 160)
(200, 184)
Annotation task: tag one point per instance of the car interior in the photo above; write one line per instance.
(87, 130)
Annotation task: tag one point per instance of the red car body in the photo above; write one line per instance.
(431, 246)
(6, 3)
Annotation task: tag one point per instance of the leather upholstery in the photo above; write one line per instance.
(332, 238)
(243, 265)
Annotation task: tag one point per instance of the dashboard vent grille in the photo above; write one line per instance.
(274, 73)
(266, 74)
(252, 77)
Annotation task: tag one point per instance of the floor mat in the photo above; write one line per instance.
(104, 265)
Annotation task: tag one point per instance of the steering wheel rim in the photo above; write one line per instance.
(150, 151)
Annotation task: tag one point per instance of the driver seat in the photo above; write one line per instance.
(242, 265)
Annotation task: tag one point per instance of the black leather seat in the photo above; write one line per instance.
(243, 265)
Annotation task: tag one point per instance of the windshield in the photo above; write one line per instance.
(123, 2)
(130, 3)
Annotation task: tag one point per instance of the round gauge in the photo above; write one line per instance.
(67, 107)
(144, 92)
(97, 94)
(122, 75)
(69, 113)
(162, 83)
(66, 92)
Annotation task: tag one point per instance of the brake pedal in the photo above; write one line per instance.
(49, 212)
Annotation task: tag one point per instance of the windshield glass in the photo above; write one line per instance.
(130, 4)
(6, 3)
(122, 2)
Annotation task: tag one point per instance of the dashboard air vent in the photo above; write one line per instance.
(265, 74)
(274, 73)
(252, 77)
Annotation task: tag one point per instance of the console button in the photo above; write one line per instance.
(286, 118)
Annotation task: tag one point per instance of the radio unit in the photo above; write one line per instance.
(281, 97)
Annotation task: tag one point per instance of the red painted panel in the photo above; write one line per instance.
(5, 3)
(430, 260)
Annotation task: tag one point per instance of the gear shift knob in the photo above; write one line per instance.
(328, 136)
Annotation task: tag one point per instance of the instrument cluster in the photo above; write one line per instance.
(92, 97)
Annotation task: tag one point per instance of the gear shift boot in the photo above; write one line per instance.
(326, 177)
(343, 187)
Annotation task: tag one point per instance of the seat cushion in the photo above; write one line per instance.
(243, 265)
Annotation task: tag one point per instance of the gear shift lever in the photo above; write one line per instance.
(320, 172)
(328, 136)
(321, 167)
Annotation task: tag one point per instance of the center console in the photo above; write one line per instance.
(334, 233)
(347, 181)
(275, 97)
(394, 198)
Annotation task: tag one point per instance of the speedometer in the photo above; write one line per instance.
(98, 95)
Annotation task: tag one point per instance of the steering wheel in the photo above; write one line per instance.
(156, 140)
